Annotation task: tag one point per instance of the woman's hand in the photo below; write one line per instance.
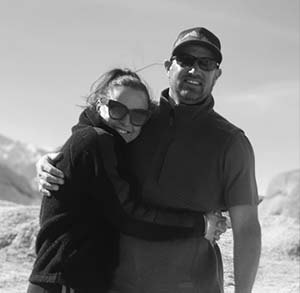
(48, 177)
(216, 224)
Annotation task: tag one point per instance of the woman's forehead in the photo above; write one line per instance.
(130, 97)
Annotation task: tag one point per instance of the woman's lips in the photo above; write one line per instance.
(122, 131)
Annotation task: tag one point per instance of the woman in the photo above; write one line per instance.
(78, 243)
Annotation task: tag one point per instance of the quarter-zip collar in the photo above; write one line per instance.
(206, 105)
(184, 112)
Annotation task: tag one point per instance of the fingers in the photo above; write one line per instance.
(45, 188)
(216, 226)
(48, 186)
(44, 192)
(222, 226)
(48, 183)
(222, 218)
(45, 164)
(47, 177)
(49, 168)
(223, 221)
(55, 157)
(217, 235)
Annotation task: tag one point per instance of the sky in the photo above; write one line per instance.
(52, 51)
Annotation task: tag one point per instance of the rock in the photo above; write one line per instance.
(281, 236)
(18, 230)
(283, 196)
(280, 215)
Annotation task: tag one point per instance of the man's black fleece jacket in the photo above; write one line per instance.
(78, 242)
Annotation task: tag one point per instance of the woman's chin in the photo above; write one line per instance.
(129, 137)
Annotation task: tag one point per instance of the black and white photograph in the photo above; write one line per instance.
(149, 146)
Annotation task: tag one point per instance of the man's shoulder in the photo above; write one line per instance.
(223, 125)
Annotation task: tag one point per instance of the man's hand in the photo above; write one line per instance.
(215, 226)
(48, 177)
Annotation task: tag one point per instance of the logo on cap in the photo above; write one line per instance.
(195, 34)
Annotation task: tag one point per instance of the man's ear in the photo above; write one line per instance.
(167, 65)
(218, 73)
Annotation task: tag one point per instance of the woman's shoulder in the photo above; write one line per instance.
(89, 139)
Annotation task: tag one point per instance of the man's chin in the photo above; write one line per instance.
(190, 99)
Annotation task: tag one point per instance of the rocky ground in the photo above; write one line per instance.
(279, 268)
(17, 235)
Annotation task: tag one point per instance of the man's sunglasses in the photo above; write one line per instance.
(118, 111)
(204, 63)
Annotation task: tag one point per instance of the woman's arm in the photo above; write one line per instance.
(147, 219)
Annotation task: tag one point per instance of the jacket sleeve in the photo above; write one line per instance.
(131, 216)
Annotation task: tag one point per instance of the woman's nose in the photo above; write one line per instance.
(126, 120)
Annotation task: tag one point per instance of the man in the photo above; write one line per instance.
(190, 157)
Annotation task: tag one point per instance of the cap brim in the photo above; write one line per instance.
(212, 48)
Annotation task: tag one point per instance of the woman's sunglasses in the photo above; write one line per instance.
(204, 63)
(118, 111)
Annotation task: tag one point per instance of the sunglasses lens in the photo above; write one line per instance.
(206, 64)
(185, 60)
(117, 110)
(139, 117)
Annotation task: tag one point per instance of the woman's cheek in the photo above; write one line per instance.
(137, 131)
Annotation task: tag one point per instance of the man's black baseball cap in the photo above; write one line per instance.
(201, 36)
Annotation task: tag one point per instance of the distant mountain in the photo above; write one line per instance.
(16, 188)
(17, 170)
(20, 157)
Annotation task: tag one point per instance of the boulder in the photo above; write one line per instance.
(283, 196)
(280, 215)
(18, 230)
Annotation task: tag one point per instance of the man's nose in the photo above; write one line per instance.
(195, 68)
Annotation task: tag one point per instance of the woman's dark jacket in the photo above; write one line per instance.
(78, 243)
